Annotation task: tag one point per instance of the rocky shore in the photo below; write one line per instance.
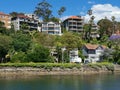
(33, 71)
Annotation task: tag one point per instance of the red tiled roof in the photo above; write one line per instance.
(1, 13)
(93, 46)
(104, 46)
(74, 17)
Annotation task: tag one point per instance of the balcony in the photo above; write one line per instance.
(75, 21)
(75, 29)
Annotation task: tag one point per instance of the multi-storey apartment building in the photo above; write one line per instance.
(6, 19)
(19, 20)
(74, 24)
(94, 31)
(33, 16)
(51, 28)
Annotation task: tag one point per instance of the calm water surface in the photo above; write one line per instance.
(76, 82)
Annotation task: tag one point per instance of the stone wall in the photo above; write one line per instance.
(30, 71)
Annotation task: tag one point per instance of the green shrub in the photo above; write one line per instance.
(118, 61)
(18, 57)
(42, 65)
(39, 54)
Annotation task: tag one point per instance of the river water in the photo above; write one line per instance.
(66, 82)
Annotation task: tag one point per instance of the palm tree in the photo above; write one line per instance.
(61, 11)
(113, 21)
(43, 10)
(90, 24)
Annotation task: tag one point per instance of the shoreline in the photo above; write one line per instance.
(36, 71)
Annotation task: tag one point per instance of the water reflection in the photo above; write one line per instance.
(76, 82)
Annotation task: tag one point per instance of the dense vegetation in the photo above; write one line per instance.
(34, 46)
(20, 46)
(50, 66)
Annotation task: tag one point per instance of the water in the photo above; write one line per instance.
(76, 82)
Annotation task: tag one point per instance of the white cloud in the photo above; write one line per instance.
(101, 11)
(91, 2)
(82, 13)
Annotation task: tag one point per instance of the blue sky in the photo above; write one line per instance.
(73, 7)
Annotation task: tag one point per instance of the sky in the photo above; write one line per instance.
(100, 8)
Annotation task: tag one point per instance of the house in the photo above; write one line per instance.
(53, 28)
(19, 20)
(6, 19)
(74, 24)
(93, 53)
(74, 58)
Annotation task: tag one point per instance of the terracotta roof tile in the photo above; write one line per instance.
(1, 13)
(93, 46)
(74, 17)
(104, 46)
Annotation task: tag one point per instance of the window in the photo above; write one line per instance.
(44, 28)
(50, 28)
(91, 51)
(50, 25)
(57, 28)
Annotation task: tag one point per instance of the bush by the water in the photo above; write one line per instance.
(36, 54)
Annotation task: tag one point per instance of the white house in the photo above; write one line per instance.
(93, 53)
(53, 28)
(74, 58)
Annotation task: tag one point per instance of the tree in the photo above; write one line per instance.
(19, 57)
(116, 49)
(107, 55)
(14, 14)
(2, 27)
(39, 54)
(90, 23)
(113, 21)
(24, 26)
(45, 39)
(54, 19)
(86, 30)
(43, 10)
(105, 27)
(61, 11)
(5, 45)
(2, 24)
(71, 41)
(116, 54)
(21, 42)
